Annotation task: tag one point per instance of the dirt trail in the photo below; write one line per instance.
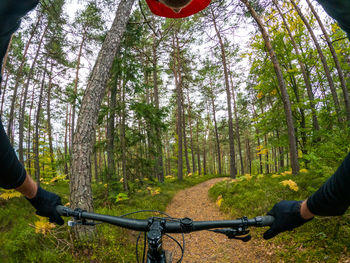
(206, 246)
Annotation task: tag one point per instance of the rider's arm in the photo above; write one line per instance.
(12, 173)
(340, 11)
(29, 188)
(10, 18)
(333, 197)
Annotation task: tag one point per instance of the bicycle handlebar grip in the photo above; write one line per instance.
(62, 210)
(267, 220)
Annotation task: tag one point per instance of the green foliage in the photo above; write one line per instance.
(20, 243)
(320, 239)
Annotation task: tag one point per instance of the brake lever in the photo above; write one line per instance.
(81, 222)
(235, 233)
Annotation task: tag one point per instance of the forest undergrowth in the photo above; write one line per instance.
(324, 239)
(25, 237)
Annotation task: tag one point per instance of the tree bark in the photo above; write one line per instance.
(123, 139)
(110, 133)
(37, 123)
(303, 71)
(24, 101)
(49, 127)
(198, 151)
(283, 89)
(237, 126)
(233, 170)
(336, 61)
(3, 92)
(76, 82)
(159, 154)
(18, 78)
(189, 110)
(80, 183)
(324, 63)
(177, 74)
(216, 132)
(66, 171)
(188, 168)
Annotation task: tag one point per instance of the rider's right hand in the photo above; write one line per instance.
(287, 217)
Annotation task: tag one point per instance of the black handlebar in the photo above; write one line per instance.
(184, 225)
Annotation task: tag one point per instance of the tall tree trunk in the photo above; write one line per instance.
(168, 152)
(3, 92)
(110, 133)
(95, 160)
(194, 168)
(259, 143)
(4, 61)
(280, 151)
(18, 78)
(37, 123)
(178, 85)
(249, 159)
(336, 61)
(188, 168)
(198, 150)
(49, 127)
(123, 139)
(302, 113)
(29, 132)
(24, 101)
(237, 126)
(76, 83)
(324, 63)
(282, 86)
(216, 132)
(303, 71)
(233, 170)
(80, 183)
(159, 155)
(66, 171)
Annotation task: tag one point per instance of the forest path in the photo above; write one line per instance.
(207, 246)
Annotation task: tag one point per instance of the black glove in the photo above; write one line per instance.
(287, 217)
(45, 204)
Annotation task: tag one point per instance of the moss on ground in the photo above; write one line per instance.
(322, 239)
(20, 243)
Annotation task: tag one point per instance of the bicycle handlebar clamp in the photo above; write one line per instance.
(186, 224)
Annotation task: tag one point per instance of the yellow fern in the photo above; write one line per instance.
(275, 175)
(291, 184)
(9, 194)
(219, 200)
(43, 226)
(248, 177)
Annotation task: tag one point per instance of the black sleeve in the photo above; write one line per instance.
(333, 198)
(12, 172)
(11, 12)
(340, 11)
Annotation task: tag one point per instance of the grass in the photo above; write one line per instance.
(20, 243)
(322, 239)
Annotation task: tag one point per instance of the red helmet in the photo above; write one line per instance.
(192, 8)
